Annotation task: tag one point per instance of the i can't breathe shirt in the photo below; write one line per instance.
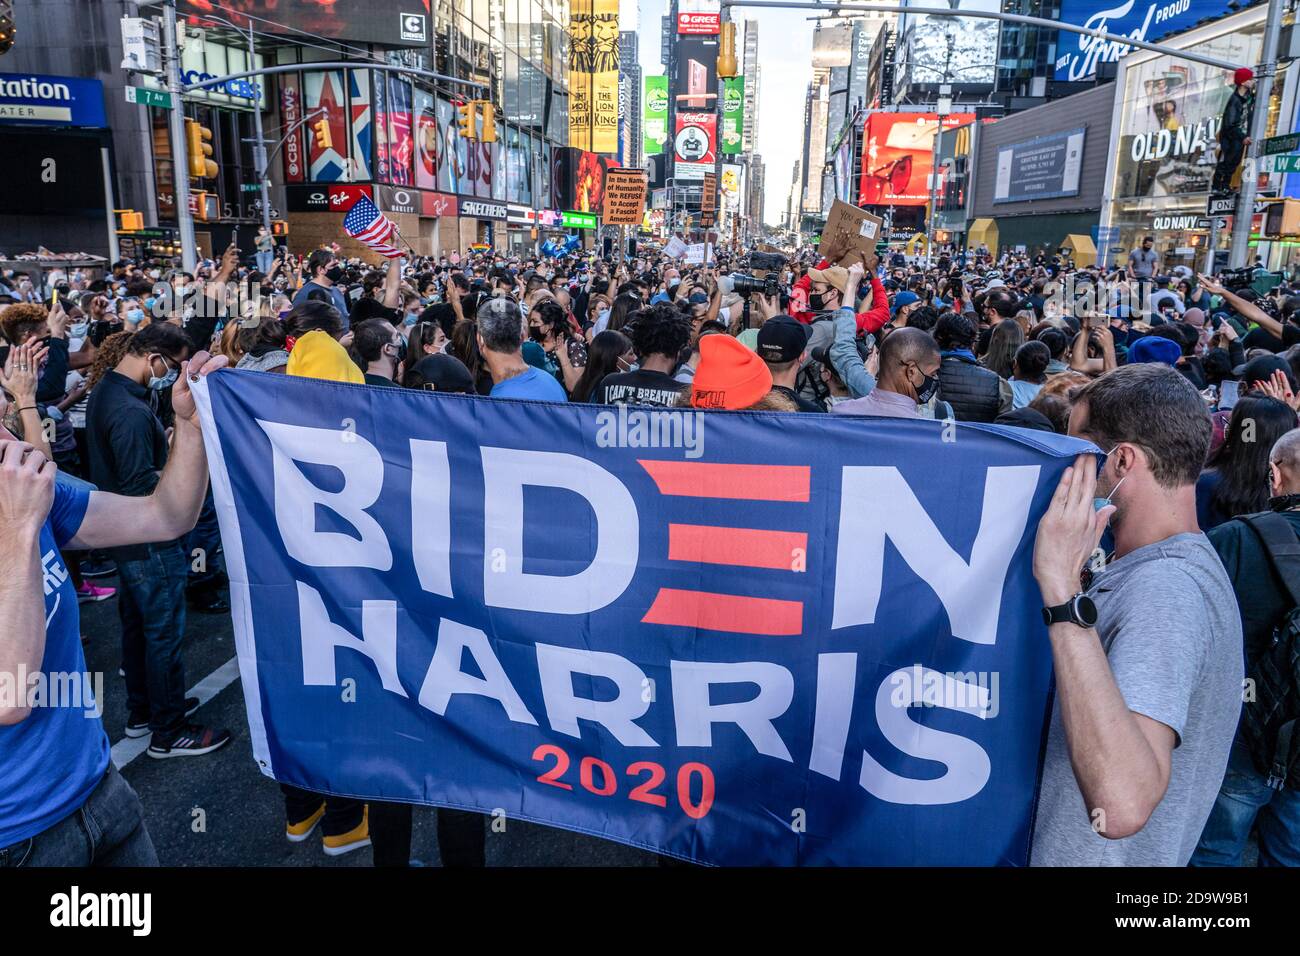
(1167, 618)
(52, 760)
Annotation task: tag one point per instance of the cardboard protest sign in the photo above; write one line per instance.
(862, 229)
(625, 196)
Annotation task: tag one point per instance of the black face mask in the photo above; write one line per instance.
(401, 351)
(929, 385)
(335, 274)
(817, 301)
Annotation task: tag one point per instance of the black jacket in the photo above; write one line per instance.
(1235, 126)
(972, 390)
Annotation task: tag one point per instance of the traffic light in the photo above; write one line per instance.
(467, 119)
(129, 220)
(198, 141)
(279, 228)
(489, 113)
(727, 67)
(324, 137)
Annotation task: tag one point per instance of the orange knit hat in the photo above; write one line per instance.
(729, 375)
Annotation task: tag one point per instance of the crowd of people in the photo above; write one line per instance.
(1176, 557)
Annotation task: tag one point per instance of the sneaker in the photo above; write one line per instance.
(90, 593)
(191, 741)
(352, 840)
(98, 569)
(139, 727)
(299, 830)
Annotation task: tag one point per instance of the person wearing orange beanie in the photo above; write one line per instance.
(729, 375)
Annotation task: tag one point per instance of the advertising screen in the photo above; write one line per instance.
(695, 145)
(695, 85)
(1077, 55)
(390, 22)
(897, 157)
(1043, 168)
(956, 50)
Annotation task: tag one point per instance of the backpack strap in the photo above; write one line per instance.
(1282, 548)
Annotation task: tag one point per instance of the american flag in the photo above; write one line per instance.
(365, 223)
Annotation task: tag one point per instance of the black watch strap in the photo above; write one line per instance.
(1079, 611)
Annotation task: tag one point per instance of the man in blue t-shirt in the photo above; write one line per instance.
(500, 340)
(54, 754)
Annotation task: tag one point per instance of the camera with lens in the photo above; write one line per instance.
(746, 286)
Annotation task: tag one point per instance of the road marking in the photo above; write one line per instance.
(128, 748)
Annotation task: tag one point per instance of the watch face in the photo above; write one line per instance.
(1085, 611)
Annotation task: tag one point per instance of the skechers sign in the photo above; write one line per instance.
(1147, 20)
(33, 99)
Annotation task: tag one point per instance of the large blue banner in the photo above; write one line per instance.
(732, 637)
(1077, 55)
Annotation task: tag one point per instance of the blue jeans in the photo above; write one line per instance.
(1243, 797)
(264, 261)
(151, 605)
(108, 830)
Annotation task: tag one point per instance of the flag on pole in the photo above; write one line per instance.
(365, 223)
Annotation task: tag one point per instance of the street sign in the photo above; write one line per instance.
(1288, 143)
(142, 97)
(1219, 205)
(1281, 163)
(250, 187)
(1204, 223)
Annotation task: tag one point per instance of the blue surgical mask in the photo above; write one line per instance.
(135, 316)
(602, 317)
(149, 303)
(79, 329)
(411, 318)
(161, 384)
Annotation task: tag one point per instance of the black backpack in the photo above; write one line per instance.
(1269, 724)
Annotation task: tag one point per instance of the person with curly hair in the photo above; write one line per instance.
(659, 333)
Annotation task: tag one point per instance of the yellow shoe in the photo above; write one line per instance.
(301, 830)
(354, 839)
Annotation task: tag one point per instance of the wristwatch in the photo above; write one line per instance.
(1079, 611)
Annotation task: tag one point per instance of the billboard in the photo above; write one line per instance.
(897, 157)
(389, 22)
(733, 114)
(962, 51)
(323, 91)
(295, 141)
(427, 139)
(695, 84)
(654, 118)
(363, 126)
(578, 179)
(395, 130)
(593, 75)
(1149, 20)
(699, 17)
(694, 146)
(1043, 168)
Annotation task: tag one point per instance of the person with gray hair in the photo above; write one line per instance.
(501, 332)
(1261, 790)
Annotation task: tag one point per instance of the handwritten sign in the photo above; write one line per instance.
(625, 196)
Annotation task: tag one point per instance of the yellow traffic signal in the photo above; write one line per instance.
(727, 66)
(489, 113)
(198, 141)
(324, 138)
(467, 119)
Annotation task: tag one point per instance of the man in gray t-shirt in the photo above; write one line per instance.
(1168, 622)
(1148, 660)
(1142, 261)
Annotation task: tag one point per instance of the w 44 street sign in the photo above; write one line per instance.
(1285, 163)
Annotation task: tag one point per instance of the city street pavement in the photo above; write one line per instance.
(219, 810)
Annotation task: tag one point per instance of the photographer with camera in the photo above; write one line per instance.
(1272, 334)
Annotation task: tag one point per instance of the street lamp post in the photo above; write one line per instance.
(1239, 250)
(180, 155)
